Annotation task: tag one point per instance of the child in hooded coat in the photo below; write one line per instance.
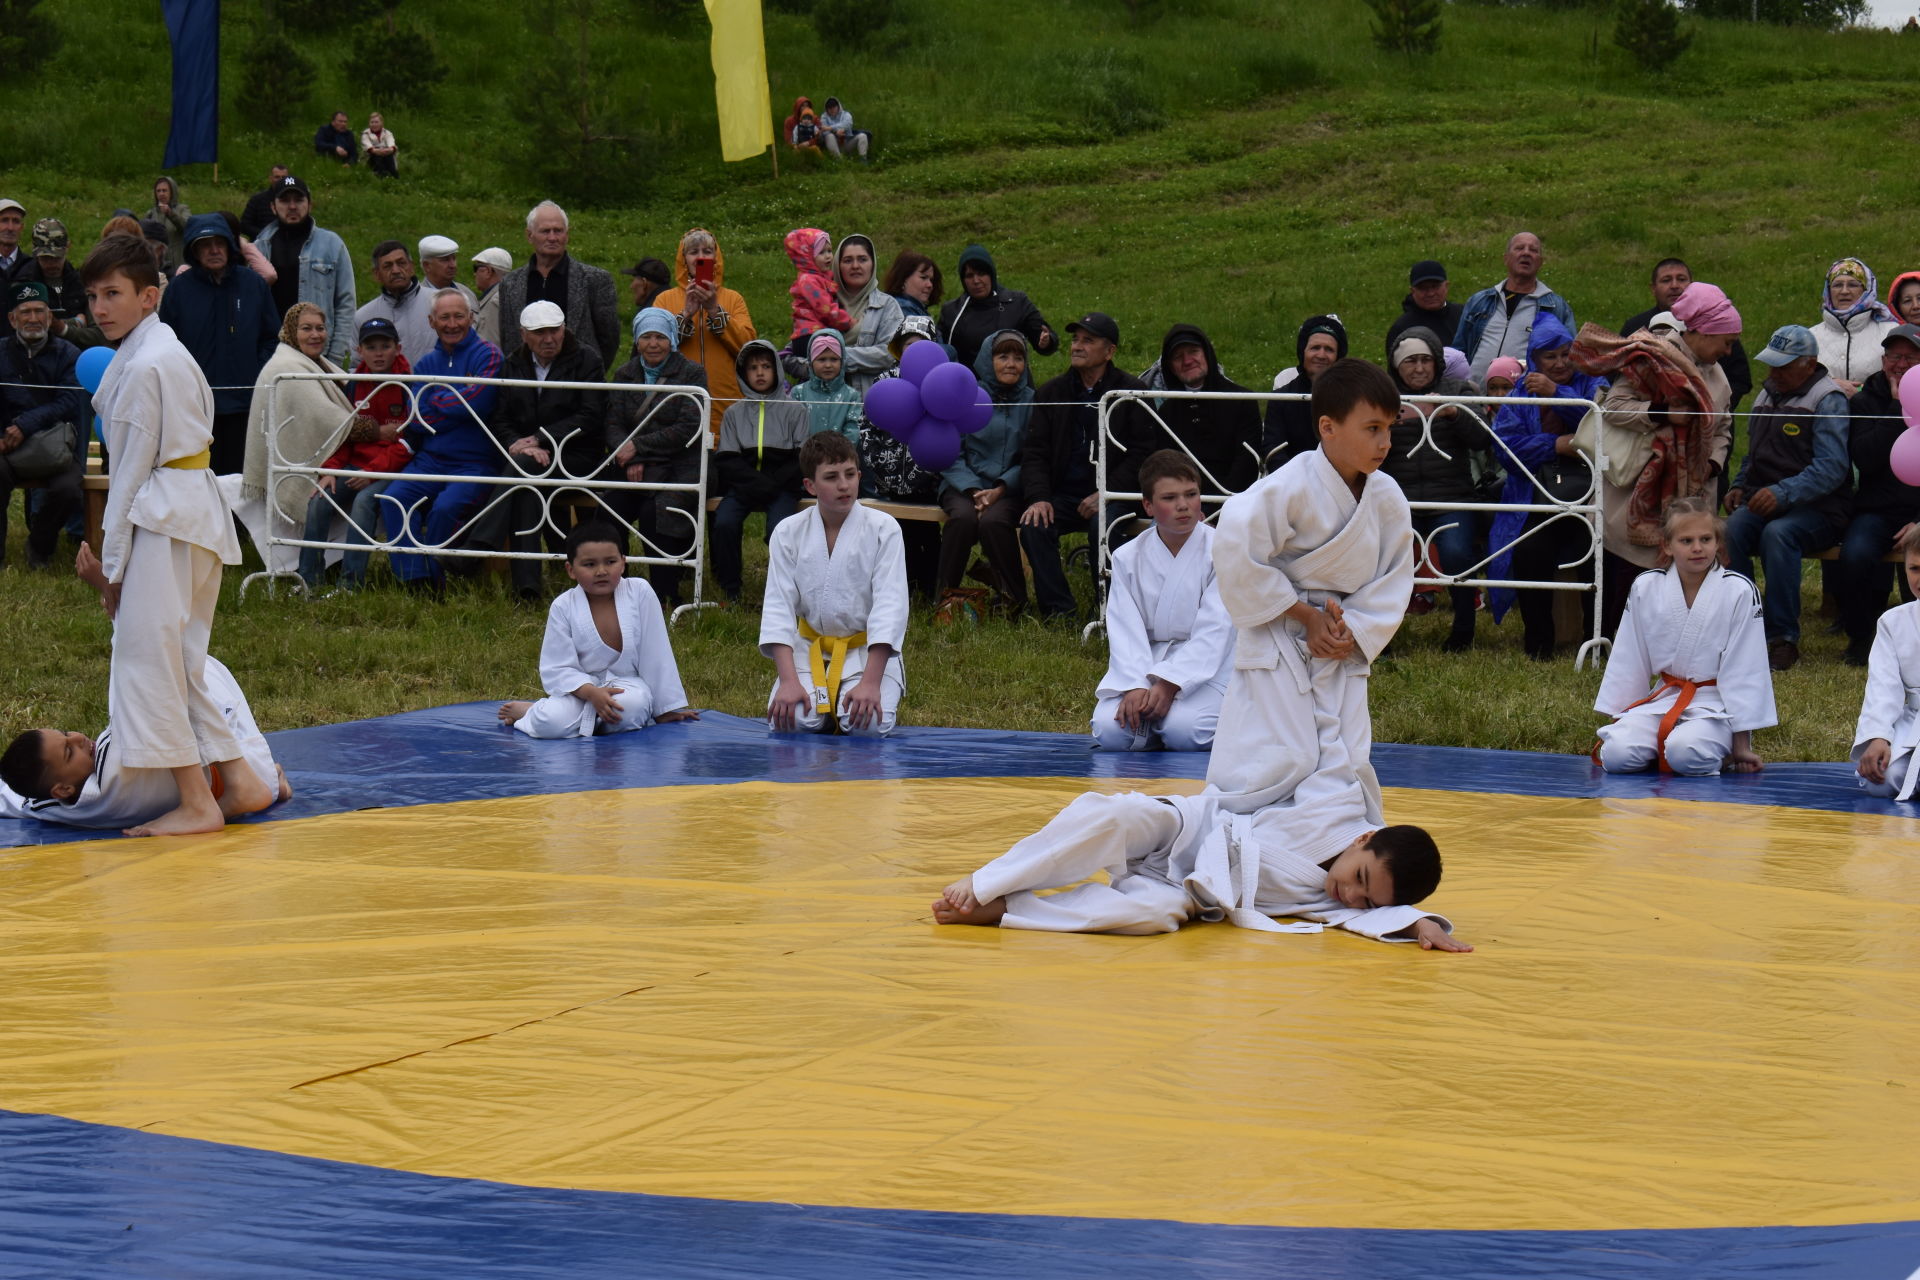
(758, 460)
(815, 293)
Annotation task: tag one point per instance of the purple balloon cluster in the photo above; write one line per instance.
(1905, 459)
(930, 405)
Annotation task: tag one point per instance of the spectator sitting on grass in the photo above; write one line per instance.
(806, 134)
(837, 131)
(914, 282)
(335, 141)
(382, 151)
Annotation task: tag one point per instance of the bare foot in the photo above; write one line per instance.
(190, 819)
(959, 894)
(241, 790)
(946, 911)
(510, 712)
(285, 791)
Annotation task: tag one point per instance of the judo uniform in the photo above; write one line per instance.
(118, 795)
(830, 608)
(166, 534)
(573, 654)
(1301, 535)
(1706, 667)
(1165, 619)
(1890, 708)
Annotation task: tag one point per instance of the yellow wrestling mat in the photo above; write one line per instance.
(1681, 1014)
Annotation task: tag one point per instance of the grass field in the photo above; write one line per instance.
(1238, 164)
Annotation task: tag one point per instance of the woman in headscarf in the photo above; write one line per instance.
(310, 419)
(657, 438)
(914, 282)
(1537, 450)
(1853, 321)
(713, 324)
(982, 495)
(1903, 297)
(876, 315)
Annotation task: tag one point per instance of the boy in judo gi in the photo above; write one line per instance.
(1315, 566)
(1169, 639)
(836, 592)
(605, 662)
(166, 535)
(1884, 742)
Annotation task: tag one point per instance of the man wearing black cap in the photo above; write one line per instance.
(65, 295)
(1426, 305)
(312, 265)
(650, 276)
(40, 399)
(1057, 465)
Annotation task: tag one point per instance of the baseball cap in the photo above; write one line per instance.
(378, 327)
(437, 247)
(1790, 342)
(649, 269)
(1425, 272)
(290, 185)
(1910, 332)
(6, 204)
(1099, 324)
(49, 238)
(542, 315)
(497, 258)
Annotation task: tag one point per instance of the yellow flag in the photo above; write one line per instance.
(740, 78)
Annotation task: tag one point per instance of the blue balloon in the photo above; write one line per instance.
(91, 367)
(920, 359)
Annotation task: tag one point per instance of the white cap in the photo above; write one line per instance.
(542, 315)
(6, 204)
(437, 247)
(498, 259)
(1667, 320)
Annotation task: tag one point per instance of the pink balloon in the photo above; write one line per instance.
(1910, 396)
(948, 391)
(1905, 458)
(934, 444)
(920, 359)
(893, 405)
(978, 414)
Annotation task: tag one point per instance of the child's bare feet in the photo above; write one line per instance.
(241, 791)
(196, 817)
(958, 905)
(285, 791)
(510, 712)
(959, 894)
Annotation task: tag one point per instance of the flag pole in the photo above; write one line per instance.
(773, 150)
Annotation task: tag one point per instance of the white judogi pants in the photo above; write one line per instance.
(559, 716)
(812, 721)
(1094, 833)
(1270, 733)
(162, 714)
(1695, 748)
(1897, 765)
(1188, 726)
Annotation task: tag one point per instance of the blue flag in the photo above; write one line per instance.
(193, 27)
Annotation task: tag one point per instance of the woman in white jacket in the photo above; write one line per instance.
(1853, 321)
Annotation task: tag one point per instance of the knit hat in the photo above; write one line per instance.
(1410, 347)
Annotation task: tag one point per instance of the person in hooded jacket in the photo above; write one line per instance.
(1432, 460)
(757, 464)
(1853, 321)
(1290, 429)
(982, 495)
(657, 438)
(1426, 305)
(714, 324)
(1903, 297)
(1541, 438)
(1221, 436)
(984, 308)
(1883, 505)
(224, 314)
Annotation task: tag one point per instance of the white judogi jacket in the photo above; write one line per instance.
(115, 797)
(154, 407)
(572, 652)
(1165, 617)
(1721, 638)
(861, 587)
(1890, 708)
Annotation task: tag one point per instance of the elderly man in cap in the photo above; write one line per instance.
(1426, 305)
(41, 407)
(650, 277)
(65, 294)
(440, 265)
(585, 293)
(490, 266)
(536, 424)
(402, 300)
(223, 313)
(13, 217)
(312, 265)
(1057, 464)
(1790, 498)
(1883, 505)
(657, 438)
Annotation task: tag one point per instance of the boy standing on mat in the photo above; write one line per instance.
(165, 537)
(837, 593)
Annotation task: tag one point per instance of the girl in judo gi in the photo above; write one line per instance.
(1884, 742)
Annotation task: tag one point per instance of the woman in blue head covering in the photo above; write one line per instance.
(1536, 448)
(656, 437)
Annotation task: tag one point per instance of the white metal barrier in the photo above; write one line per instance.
(517, 474)
(1585, 508)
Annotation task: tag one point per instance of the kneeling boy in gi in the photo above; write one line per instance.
(1885, 740)
(1169, 639)
(165, 536)
(605, 663)
(1171, 859)
(837, 592)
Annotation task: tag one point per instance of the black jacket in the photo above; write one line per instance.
(54, 393)
(1059, 435)
(556, 413)
(1739, 372)
(672, 428)
(1422, 472)
(1290, 427)
(1222, 435)
(258, 213)
(1876, 423)
(1445, 322)
(966, 322)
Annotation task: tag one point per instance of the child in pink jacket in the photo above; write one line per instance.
(816, 299)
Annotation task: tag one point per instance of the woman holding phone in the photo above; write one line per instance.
(713, 320)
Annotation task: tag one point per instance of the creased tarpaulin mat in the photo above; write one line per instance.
(1683, 1015)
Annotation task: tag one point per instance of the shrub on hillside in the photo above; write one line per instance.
(591, 148)
(394, 64)
(27, 38)
(323, 17)
(1406, 26)
(1649, 30)
(1102, 91)
(849, 22)
(275, 80)
(1828, 15)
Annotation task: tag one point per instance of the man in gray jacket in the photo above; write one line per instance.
(584, 293)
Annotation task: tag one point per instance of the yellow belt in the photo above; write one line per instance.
(198, 462)
(828, 666)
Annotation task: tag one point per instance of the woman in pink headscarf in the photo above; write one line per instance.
(1712, 326)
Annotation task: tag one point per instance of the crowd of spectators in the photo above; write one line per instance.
(271, 291)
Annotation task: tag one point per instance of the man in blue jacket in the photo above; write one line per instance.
(222, 312)
(312, 265)
(39, 393)
(450, 438)
(1497, 320)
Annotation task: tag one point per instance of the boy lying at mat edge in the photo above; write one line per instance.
(1171, 859)
(605, 662)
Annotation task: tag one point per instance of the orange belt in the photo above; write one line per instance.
(1668, 681)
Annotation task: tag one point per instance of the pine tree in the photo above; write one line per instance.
(1650, 31)
(1406, 26)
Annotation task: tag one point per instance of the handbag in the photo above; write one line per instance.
(45, 453)
(1565, 479)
